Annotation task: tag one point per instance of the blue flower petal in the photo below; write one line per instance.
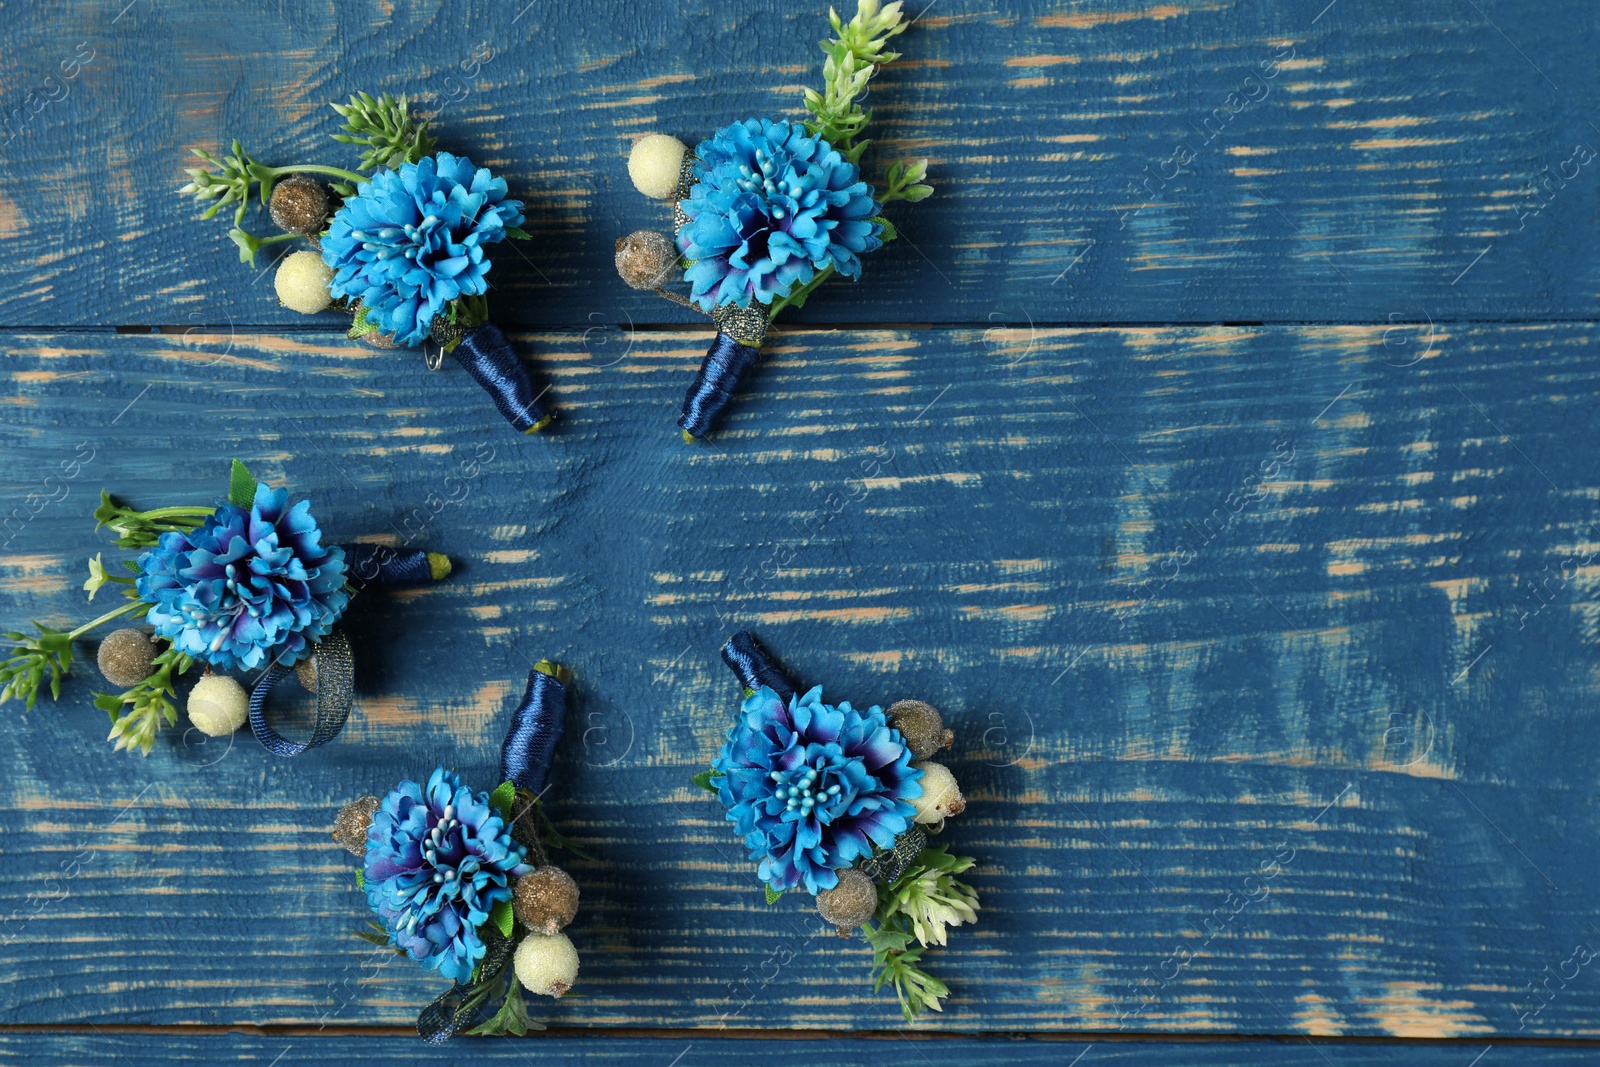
(813, 788)
(770, 207)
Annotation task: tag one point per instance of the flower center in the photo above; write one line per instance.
(443, 846)
(805, 789)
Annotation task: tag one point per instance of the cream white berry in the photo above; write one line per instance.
(941, 797)
(654, 164)
(218, 705)
(302, 282)
(546, 964)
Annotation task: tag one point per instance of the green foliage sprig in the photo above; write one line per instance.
(139, 713)
(512, 1018)
(238, 174)
(49, 653)
(930, 897)
(149, 703)
(142, 529)
(383, 126)
(914, 911)
(896, 960)
(854, 56)
(386, 129)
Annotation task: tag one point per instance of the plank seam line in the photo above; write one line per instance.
(754, 1034)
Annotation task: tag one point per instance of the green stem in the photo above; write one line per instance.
(126, 609)
(192, 512)
(309, 168)
(803, 292)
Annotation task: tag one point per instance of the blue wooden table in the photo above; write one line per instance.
(1015, 472)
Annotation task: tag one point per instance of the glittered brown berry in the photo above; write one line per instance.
(921, 726)
(546, 900)
(125, 657)
(850, 903)
(646, 259)
(351, 825)
(300, 204)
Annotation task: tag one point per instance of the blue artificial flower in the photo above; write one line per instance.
(770, 207)
(814, 787)
(246, 587)
(412, 240)
(438, 860)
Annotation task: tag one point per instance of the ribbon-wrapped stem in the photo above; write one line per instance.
(740, 332)
(755, 667)
(536, 727)
(369, 564)
(714, 385)
(487, 355)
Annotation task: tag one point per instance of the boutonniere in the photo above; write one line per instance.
(839, 802)
(767, 210)
(460, 881)
(245, 585)
(401, 243)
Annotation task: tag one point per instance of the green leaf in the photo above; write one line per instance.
(705, 779)
(889, 232)
(361, 880)
(512, 1018)
(500, 915)
(359, 326)
(772, 894)
(241, 486)
(501, 799)
(518, 233)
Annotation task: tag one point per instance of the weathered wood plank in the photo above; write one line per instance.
(1161, 683)
(1111, 161)
(138, 1050)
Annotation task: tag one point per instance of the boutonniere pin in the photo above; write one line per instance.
(460, 881)
(401, 243)
(767, 210)
(244, 586)
(839, 802)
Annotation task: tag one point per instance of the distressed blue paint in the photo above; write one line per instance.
(964, 516)
(1396, 146)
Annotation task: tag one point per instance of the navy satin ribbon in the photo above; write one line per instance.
(335, 693)
(448, 1015)
(382, 565)
(714, 385)
(755, 668)
(494, 364)
(535, 730)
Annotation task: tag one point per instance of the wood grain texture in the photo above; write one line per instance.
(1169, 660)
(136, 1050)
(1119, 161)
